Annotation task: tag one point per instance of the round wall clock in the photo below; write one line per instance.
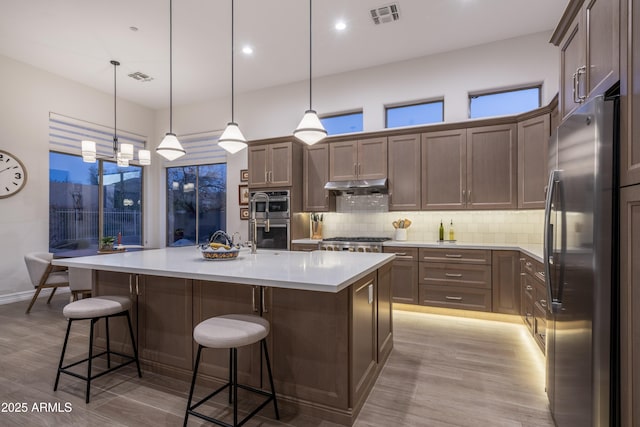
(13, 174)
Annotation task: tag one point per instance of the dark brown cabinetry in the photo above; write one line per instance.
(588, 38)
(404, 173)
(120, 284)
(629, 303)
(472, 168)
(305, 247)
(404, 274)
(363, 159)
(491, 167)
(533, 153)
(533, 300)
(316, 175)
(505, 274)
(274, 165)
(444, 169)
(630, 94)
(463, 281)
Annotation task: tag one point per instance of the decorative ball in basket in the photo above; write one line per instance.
(220, 247)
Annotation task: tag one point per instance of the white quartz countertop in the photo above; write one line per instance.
(533, 250)
(315, 271)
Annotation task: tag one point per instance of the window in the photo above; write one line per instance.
(84, 195)
(196, 203)
(504, 102)
(342, 123)
(414, 114)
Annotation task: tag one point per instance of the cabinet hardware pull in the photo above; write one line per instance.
(523, 274)
(359, 169)
(529, 288)
(580, 71)
(523, 259)
(137, 288)
(464, 197)
(469, 196)
(453, 274)
(453, 298)
(264, 304)
(401, 253)
(404, 257)
(573, 89)
(253, 299)
(371, 293)
(265, 176)
(355, 169)
(543, 302)
(453, 255)
(130, 286)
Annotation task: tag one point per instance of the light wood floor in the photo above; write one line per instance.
(443, 371)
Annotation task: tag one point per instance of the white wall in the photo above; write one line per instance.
(29, 94)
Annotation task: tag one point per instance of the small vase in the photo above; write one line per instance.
(316, 230)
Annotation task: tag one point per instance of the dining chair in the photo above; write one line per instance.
(44, 275)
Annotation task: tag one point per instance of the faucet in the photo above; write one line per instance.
(253, 222)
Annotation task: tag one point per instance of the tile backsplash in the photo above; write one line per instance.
(512, 226)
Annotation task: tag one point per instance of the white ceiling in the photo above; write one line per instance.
(76, 39)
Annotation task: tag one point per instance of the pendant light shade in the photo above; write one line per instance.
(170, 148)
(88, 151)
(126, 151)
(310, 129)
(232, 140)
(144, 157)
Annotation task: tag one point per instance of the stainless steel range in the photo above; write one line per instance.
(353, 244)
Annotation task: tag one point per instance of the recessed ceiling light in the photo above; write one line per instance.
(341, 25)
(134, 29)
(248, 50)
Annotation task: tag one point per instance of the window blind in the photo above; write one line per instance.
(66, 134)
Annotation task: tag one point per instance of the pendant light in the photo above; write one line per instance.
(310, 129)
(232, 140)
(122, 153)
(170, 148)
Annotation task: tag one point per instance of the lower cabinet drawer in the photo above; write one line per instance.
(468, 276)
(528, 314)
(455, 297)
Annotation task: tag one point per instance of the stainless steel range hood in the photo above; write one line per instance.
(360, 186)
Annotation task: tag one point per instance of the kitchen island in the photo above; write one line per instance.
(330, 315)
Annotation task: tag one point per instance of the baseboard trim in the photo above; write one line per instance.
(27, 295)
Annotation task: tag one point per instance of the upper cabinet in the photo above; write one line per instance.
(316, 175)
(273, 165)
(533, 151)
(630, 95)
(470, 168)
(491, 167)
(404, 173)
(363, 159)
(588, 38)
(444, 169)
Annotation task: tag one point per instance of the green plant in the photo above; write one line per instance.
(107, 240)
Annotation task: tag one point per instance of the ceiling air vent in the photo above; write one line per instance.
(141, 77)
(385, 14)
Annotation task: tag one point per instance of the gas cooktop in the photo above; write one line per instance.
(357, 239)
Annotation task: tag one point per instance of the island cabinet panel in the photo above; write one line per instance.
(444, 167)
(364, 352)
(505, 281)
(363, 159)
(309, 345)
(630, 94)
(212, 299)
(316, 175)
(404, 274)
(404, 173)
(533, 157)
(492, 161)
(121, 284)
(165, 322)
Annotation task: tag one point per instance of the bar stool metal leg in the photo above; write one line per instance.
(133, 343)
(64, 349)
(230, 373)
(108, 346)
(193, 385)
(273, 391)
(93, 322)
(235, 386)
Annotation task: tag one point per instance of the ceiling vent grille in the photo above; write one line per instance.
(141, 77)
(385, 14)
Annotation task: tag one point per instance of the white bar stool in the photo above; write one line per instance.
(95, 309)
(231, 331)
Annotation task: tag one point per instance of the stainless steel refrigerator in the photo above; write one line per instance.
(579, 252)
